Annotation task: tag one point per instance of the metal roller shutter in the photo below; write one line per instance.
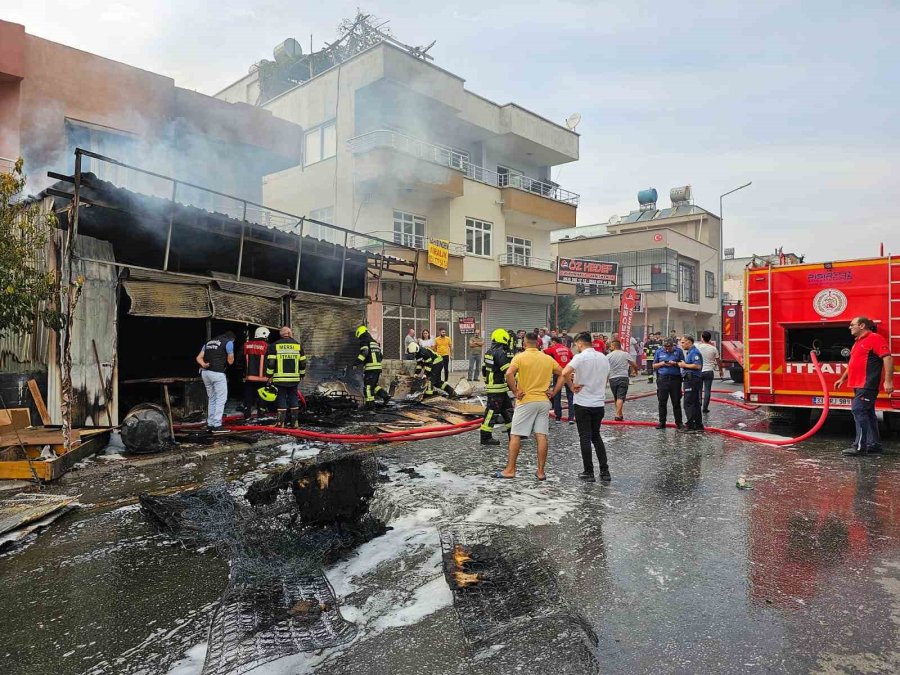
(514, 315)
(181, 301)
(246, 308)
(324, 325)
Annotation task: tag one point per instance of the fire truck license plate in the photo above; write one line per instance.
(818, 400)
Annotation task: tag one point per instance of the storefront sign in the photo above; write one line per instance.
(439, 253)
(639, 303)
(577, 271)
(466, 325)
(626, 316)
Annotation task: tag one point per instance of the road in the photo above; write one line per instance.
(671, 568)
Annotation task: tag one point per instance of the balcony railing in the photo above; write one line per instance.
(526, 261)
(453, 159)
(361, 241)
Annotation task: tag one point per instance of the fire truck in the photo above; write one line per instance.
(732, 347)
(791, 310)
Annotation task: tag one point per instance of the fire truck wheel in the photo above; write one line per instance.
(737, 374)
(892, 421)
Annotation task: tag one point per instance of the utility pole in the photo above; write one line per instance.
(722, 244)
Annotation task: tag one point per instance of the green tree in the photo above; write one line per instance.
(28, 291)
(568, 312)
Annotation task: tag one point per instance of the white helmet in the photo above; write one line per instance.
(261, 333)
(412, 348)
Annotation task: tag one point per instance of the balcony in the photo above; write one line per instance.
(528, 274)
(528, 201)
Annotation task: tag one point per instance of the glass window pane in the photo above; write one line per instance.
(313, 146)
(329, 140)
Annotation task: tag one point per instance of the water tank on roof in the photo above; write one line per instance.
(647, 196)
(680, 194)
(287, 51)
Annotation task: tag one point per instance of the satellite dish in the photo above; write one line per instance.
(573, 120)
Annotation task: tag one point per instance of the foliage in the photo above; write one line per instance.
(568, 312)
(28, 291)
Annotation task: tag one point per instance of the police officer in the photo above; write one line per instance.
(370, 358)
(285, 367)
(691, 367)
(429, 363)
(255, 351)
(215, 356)
(668, 381)
(499, 404)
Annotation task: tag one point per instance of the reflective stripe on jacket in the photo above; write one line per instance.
(496, 363)
(370, 355)
(286, 362)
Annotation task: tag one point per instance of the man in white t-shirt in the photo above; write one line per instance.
(587, 375)
(711, 361)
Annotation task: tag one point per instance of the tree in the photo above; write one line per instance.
(568, 312)
(28, 291)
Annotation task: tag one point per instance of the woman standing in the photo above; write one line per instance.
(426, 340)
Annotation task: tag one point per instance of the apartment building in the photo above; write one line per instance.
(397, 147)
(671, 255)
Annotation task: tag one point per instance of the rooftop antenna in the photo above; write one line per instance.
(573, 120)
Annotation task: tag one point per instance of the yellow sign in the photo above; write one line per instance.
(439, 253)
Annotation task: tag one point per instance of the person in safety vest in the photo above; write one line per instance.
(428, 365)
(215, 356)
(255, 351)
(370, 358)
(499, 404)
(285, 367)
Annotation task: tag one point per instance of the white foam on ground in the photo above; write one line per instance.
(192, 663)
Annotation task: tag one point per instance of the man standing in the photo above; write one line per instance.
(370, 358)
(691, 366)
(711, 361)
(286, 366)
(621, 365)
(566, 338)
(599, 344)
(443, 346)
(590, 369)
(255, 351)
(545, 339)
(653, 343)
(499, 404)
(476, 344)
(410, 337)
(215, 356)
(562, 355)
(871, 364)
(532, 391)
(428, 365)
(668, 381)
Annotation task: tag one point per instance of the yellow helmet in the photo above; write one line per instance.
(412, 348)
(500, 336)
(362, 330)
(268, 393)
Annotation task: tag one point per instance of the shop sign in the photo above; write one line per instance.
(439, 253)
(578, 271)
(466, 325)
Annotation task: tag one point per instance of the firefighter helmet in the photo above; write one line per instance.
(412, 348)
(362, 330)
(262, 333)
(268, 393)
(500, 336)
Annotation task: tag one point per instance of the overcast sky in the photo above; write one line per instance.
(799, 97)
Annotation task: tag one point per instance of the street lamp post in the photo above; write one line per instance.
(722, 246)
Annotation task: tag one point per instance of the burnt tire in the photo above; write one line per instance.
(737, 374)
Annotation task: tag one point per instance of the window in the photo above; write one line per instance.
(518, 251)
(321, 143)
(687, 283)
(478, 237)
(503, 175)
(650, 270)
(326, 215)
(409, 229)
(604, 327)
(710, 284)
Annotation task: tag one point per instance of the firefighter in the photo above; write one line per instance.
(255, 351)
(499, 404)
(285, 367)
(428, 365)
(370, 358)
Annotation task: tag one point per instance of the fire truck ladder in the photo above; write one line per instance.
(893, 327)
(759, 333)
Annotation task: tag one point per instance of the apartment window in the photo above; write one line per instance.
(649, 270)
(687, 283)
(326, 215)
(503, 175)
(321, 143)
(602, 327)
(518, 251)
(409, 229)
(478, 237)
(710, 284)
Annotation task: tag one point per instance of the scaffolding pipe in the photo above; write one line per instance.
(169, 231)
(299, 254)
(241, 245)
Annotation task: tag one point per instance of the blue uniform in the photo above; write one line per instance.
(693, 357)
(692, 386)
(662, 355)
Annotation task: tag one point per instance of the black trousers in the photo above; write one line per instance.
(370, 384)
(251, 397)
(668, 388)
(434, 378)
(444, 369)
(587, 421)
(693, 386)
(499, 407)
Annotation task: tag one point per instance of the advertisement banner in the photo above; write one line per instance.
(626, 316)
(439, 253)
(467, 325)
(578, 271)
(639, 304)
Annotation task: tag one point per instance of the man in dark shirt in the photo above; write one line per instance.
(691, 366)
(668, 381)
(870, 364)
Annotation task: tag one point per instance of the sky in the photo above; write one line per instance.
(799, 97)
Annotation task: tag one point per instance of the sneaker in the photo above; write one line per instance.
(679, 425)
(661, 425)
(587, 476)
(571, 420)
(853, 451)
(218, 430)
(681, 429)
(706, 410)
(605, 476)
(490, 441)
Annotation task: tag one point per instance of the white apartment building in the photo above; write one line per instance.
(397, 148)
(671, 255)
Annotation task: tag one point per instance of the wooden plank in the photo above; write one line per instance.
(31, 437)
(39, 401)
(12, 419)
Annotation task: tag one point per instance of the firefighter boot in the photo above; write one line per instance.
(292, 419)
(383, 395)
(279, 422)
(488, 439)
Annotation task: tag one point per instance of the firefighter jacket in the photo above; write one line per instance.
(255, 360)
(496, 363)
(427, 360)
(370, 356)
(286, 362)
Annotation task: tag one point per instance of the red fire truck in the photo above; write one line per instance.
(791, 310)
(732, 347)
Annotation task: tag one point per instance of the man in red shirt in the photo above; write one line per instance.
(562, 355)
(871, 364)
(599, 345)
